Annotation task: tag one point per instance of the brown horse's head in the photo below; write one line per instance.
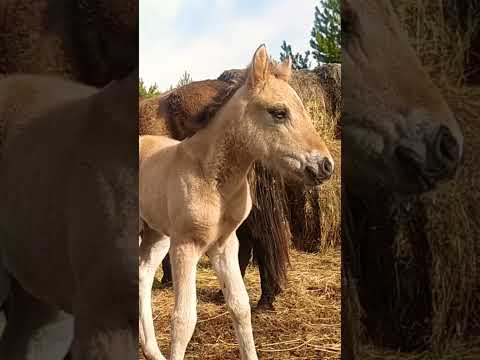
(398, 132)
(277, 125)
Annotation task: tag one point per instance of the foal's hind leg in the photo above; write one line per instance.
(225, 262)
(153, 248)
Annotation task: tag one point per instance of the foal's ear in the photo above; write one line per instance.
(259, 67)
(284, 70)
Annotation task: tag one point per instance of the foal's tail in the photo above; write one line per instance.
(269, 224)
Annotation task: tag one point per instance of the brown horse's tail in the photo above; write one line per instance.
(268, 223)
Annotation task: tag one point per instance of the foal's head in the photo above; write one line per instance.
(279, 129)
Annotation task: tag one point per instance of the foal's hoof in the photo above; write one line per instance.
(153, 355)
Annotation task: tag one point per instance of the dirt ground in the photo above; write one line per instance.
(304, 325)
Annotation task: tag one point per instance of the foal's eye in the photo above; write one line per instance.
(279, 114)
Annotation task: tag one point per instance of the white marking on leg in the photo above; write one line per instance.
(152, 253)
(225, 263)
(184, 259)
(53, 340)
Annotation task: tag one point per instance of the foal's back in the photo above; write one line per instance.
(150, 144)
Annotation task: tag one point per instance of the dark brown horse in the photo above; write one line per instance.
(182, 112)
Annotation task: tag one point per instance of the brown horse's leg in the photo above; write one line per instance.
(34, 330)
(246, 247)
(167, 272)
(270, 289)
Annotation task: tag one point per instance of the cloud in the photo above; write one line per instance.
(226, 36)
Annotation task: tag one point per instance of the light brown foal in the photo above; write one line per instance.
(194, 194)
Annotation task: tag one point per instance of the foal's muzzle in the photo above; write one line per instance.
(318, 169)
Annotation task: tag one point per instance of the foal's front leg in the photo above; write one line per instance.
(225, 262)
(153, 249)
(184, 258)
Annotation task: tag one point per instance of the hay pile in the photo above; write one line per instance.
(433, 260)
(305, 325)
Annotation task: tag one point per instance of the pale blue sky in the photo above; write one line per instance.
(205, 37)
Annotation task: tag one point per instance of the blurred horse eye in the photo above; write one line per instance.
(278, 114)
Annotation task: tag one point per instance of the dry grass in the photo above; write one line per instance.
(456, 351)
(305, 324)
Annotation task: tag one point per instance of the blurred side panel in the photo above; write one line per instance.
(69, 179)
(410, 228)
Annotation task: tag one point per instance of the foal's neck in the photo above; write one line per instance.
(221, 150)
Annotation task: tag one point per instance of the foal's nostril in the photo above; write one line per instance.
(311, 171)
(447, 150)
(327, 167)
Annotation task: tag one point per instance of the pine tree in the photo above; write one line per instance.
(147, 93)
(326, 32)
(299, 61)
(185, 79)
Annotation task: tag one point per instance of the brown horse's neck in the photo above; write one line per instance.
(222, 149)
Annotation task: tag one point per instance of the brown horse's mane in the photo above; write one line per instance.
(195, 105)
(219, 101)
(192, 109)
(236, 79)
